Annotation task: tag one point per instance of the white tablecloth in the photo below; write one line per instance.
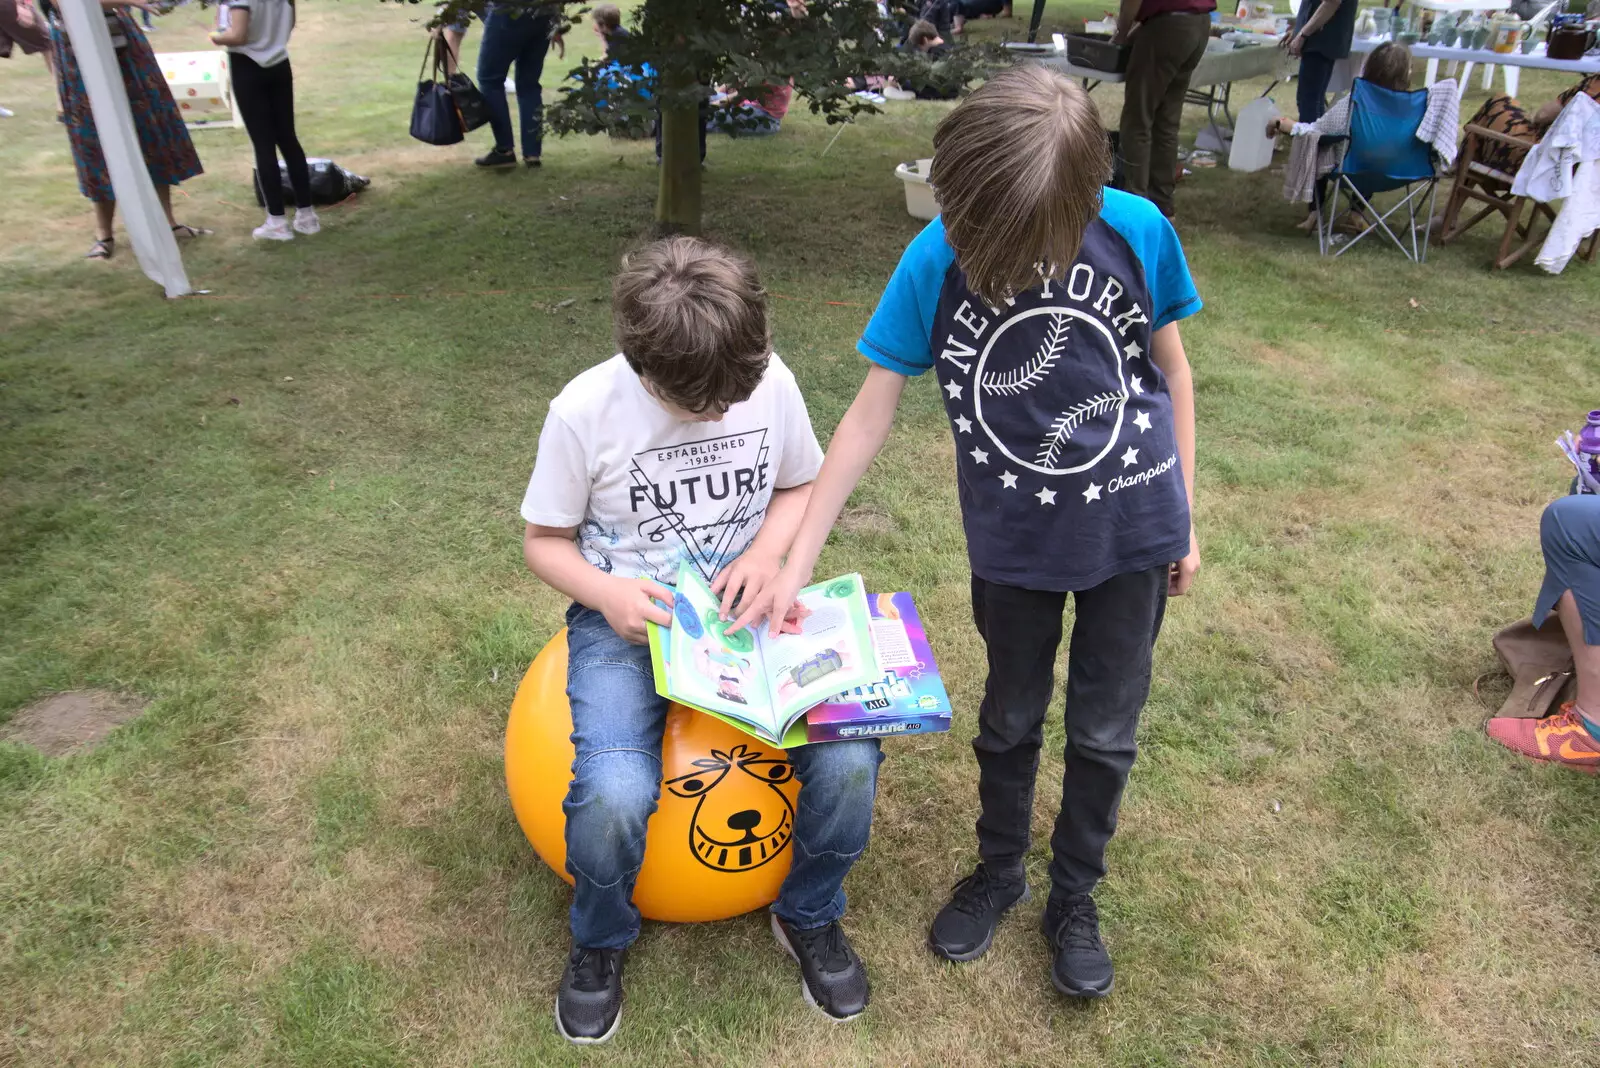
(1509, 62)
(1216, 67)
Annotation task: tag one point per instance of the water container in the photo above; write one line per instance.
(1252, 148)
(1589, 436)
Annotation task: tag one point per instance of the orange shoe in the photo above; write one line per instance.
(1558, 739)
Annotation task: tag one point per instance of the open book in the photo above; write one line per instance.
(760, 684)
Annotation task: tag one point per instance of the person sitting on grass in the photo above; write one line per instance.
(1048, 306)
(696, 373)
(955, 13)
(607, 22)
(1318, 147)
(923, 38)
(1569, 535)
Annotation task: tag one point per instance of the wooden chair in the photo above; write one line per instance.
(1491, 187)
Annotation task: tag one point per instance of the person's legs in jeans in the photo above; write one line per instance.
(495, 56)
(832, 821)
(535, 43)
(617, 723)
(253, 97)
(1108, 680)
(1311, 92)
(1569, 534)
(1188, 35)
(294, 157)
(1021, 630)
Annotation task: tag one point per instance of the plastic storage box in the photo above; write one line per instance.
(919, 194)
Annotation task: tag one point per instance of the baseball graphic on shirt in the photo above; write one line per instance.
(1042, 411)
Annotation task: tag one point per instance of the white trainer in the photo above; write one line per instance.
(306, 221)
(276, 228)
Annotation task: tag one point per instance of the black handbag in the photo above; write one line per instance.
(434, 118)
(470, 105)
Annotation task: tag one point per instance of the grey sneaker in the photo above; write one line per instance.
(589, 1004)
(832, 977)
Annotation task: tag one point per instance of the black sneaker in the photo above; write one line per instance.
(589, 1004)
(1082, 967)
(497, 157)
(965, 926)
(532, 161)
(832, 977)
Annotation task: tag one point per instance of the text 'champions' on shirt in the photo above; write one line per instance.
(1066, 460)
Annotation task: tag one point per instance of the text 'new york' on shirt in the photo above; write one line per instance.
(646, 489)
(1066, 460)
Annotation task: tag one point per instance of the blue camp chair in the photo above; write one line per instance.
(1383, 155)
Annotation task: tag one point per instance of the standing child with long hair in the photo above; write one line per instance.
(1048, 308)
(256, 35)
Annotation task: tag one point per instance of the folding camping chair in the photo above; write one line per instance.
(1383, 154)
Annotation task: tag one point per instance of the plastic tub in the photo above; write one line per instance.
(919, 194)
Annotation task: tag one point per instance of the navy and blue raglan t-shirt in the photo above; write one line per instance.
(1066, 460)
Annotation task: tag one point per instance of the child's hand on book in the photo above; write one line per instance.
(742, 582)
(776, 603)
(630, 603)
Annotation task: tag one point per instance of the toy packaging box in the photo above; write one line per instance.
(909, 697)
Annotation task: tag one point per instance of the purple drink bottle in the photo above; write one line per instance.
(1589, 444)
(1589, 440)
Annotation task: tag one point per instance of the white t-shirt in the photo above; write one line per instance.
(271, 22)
(646, 489)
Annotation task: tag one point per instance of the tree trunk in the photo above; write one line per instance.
(678, 198)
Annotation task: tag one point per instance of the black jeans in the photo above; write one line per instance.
(1311, 94)
(265, 99)
(1108, 679)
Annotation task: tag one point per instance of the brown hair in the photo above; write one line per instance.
(1018, 169)
(691, 320)
(607, 16)
(922, 31)
(1389, 67)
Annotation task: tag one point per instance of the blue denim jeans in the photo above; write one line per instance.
(521, 38)
(1311, 93)
(617, 723)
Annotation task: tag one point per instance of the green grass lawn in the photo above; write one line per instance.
(285, 513)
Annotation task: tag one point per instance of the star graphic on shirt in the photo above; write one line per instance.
(1132, 350)
(1135, 384)
(979, 456)
(1008, 480)
(954, 389)
(963, 424)
(1046, 496)
(1142, 421)
(1092, 493)
(1130, 457)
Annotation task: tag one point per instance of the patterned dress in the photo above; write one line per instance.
(164, 140)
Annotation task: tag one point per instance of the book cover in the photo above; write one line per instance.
(909, 697)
